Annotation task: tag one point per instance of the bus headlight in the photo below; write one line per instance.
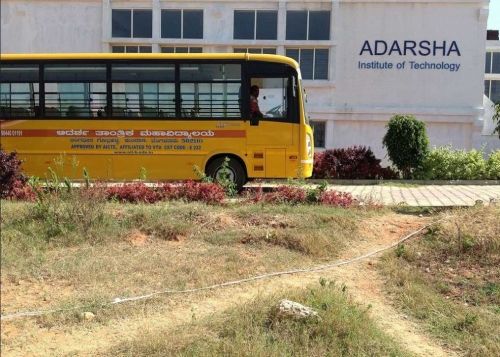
(309, 146)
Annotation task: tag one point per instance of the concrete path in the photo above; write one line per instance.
(425, 195)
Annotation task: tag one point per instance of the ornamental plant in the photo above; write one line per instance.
(493, 165)
(352, 163)
(11, 177)
(407, 143)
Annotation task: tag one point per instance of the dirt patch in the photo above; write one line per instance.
(137, 238)
(361, 279)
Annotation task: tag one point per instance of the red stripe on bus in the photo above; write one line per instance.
(112, 133)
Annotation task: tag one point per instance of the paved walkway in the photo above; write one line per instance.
(426, 195)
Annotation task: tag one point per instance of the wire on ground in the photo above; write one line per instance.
(317, 268)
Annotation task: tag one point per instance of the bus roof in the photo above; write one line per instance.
(149, 56)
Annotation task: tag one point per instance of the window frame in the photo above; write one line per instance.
(308, 25)
(245, 83)
(132, 22)
(182, 24)
(255, 22)
(321, 122)
(300, 48)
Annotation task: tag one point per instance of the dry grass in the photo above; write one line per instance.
(343, 329)
(136, 249)
(449, 280)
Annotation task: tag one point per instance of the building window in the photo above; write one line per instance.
(492, 90)
(170, 49)
(182, 24)
(255, 25)
(319, 128)
(487, 66)
(495, 62)
(308, 25)
(131, 49)
(313, 62)
(132, 23)
(259, 50)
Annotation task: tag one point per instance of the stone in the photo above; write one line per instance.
(87, 316)
(294, 310)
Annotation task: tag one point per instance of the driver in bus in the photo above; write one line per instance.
(254, 103)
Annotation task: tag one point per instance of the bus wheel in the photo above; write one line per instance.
(234, 170)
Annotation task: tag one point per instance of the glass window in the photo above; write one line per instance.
(74, 72)
(121, 23)
(495, 63)
(192, 24)
(75, 99)
(487, 88)
(171, 23)
(319, 128)
(487, 66)
(244, 25)
(118, 49)
(321, 64)
(313, 62)
(319, 25)
(19, 73)
(210, 72)
(142, 72)
(267, 25)
(168, 49)
(143, 23)
(268, 51)
(296, 25)
(210, 90)
(307, 63)
(19, 100)
(271, 101)
(495, 91)
(147, 100)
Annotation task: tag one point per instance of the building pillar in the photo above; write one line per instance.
(156, 25)
(106, 26)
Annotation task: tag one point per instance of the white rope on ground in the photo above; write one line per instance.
(119, 300)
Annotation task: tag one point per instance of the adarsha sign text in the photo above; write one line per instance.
(410, 48)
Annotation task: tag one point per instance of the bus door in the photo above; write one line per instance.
(270, 131)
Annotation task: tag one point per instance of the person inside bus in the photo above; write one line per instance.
(254, 103)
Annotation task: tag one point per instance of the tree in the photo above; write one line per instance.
(407, 143)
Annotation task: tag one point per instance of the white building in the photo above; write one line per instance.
(362, 60)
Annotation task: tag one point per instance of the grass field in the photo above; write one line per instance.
(450, 280)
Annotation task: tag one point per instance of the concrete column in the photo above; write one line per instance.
(281, 23)
(329, 134)
(156, 25)
(106, 25)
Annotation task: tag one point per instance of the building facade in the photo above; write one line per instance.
(362, 60)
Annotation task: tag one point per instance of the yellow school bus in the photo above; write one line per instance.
(118, 115)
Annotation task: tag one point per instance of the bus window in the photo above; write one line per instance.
(272, 99)
(210, 90)
(143, 90)
(19, 91)
(75, 90)
(148, 100)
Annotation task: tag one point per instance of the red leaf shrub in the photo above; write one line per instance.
(195, 191)
(21, 191)
(285, 194)
(11, 176)
(335, 198)
(356, 162)
(134, 193)
(189, 191)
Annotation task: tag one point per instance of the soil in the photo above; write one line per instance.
(362, 280)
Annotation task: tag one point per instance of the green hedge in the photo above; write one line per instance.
(445, 163)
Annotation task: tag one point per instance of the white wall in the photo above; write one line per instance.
(50, 26)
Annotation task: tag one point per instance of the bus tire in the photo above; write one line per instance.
(237, 172)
